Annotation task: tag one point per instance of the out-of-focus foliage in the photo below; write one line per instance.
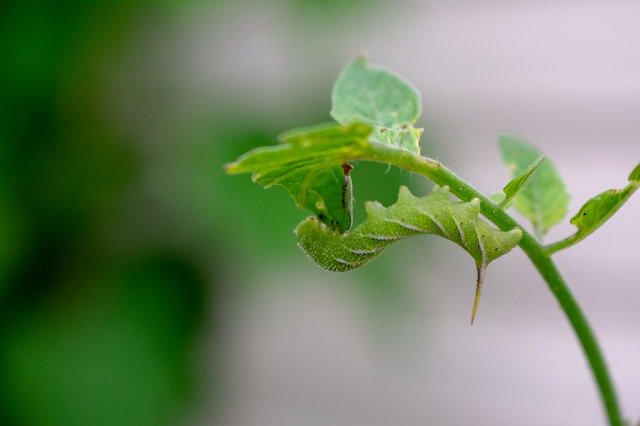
(545, 200)
(96, 327)
(116, 355)
(112, 247)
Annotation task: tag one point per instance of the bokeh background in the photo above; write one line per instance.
(139, 285)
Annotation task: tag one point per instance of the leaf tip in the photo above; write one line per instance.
(508, 141)
(230, 168)
(505, 137)
(361, 59)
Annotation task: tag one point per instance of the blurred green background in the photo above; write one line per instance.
(121, 240)
(139, 285)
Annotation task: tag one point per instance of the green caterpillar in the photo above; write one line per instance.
(435, 214)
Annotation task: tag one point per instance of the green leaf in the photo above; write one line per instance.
(406, 138)
(373, 95)
(364, 93)
(435, 214)
(545, 200)
(309, 165)
(600, 208)
(518, 183)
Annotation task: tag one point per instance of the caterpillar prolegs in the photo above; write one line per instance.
(434, 214)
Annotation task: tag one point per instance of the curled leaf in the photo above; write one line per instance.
(310, 165)
(600, 208)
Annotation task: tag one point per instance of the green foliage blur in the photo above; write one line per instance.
(117, 247)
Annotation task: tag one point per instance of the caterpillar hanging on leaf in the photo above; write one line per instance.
(435, 214)
(322, 185)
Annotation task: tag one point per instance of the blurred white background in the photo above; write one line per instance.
(564, 75)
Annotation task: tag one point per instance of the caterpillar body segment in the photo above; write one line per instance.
(434, 214)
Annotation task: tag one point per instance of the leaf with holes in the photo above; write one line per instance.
(595, 212)
(373, 95)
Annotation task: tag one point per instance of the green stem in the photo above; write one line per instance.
(564, 243)
(539, 255)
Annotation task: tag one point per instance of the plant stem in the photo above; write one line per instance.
(624, 195)
(538, 254)
(564, 243)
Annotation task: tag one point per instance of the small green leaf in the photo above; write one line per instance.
(545, 200)
(309, 165)
(363, 93)
(600, 208)
(518, 183)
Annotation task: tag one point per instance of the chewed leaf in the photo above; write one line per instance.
(378, 97)
(518, 183)
(309, 164)
(600, 208)
(434, 214)
(544, 200)
(407, 137)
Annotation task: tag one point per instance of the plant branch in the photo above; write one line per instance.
(620, 197)
(540, 256)
(564, 243)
